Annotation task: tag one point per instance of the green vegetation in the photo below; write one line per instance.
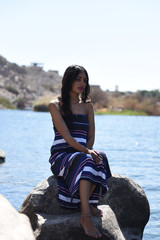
(12, 90)
(149, 94)
(6, 103)
(40, 108)
(41, 105)
(128, 103)
(123, 112)
(20, 103)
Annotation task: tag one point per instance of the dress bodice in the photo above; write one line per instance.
(79, 131)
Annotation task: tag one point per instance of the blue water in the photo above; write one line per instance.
(132, 144)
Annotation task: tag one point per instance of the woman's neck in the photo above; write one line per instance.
(74, 98)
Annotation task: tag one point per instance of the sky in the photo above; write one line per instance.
(117, 41)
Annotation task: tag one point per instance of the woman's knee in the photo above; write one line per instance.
(102, 154)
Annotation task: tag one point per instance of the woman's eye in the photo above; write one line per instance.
(79, 79)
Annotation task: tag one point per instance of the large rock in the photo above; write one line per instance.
(67, 226)
(129, 203)
(2, 156)
(125, 207)
(13, 225)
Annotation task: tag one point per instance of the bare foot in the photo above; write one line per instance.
(88, 226)
(95, 211)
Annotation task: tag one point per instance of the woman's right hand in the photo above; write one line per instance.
(96, 157)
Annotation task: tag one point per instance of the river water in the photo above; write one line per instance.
(132, 144)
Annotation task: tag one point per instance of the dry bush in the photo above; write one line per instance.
(156, 111)
(99, 97)
(116, 102)
(148, 105)
(130, 103)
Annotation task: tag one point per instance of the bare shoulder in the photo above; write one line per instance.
(54, 104)
(89, 107)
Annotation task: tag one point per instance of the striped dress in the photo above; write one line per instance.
(70, 166)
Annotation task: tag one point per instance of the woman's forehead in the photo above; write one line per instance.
(82, 74)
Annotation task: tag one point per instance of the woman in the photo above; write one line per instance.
(81, 171)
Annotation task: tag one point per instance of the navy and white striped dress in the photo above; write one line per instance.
(71, 166)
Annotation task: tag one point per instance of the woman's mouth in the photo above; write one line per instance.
(81, 88)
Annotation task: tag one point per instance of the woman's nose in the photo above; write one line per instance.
(83, 82)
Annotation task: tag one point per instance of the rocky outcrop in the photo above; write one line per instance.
(26, 83)
(2, 156)
(125, 208)
(13, 225)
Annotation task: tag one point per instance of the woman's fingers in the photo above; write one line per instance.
(96, 157)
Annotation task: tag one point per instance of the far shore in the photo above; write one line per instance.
(121, 112)
(98, 112)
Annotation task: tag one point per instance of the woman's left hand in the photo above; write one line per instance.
(96, 157)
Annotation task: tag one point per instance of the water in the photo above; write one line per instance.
(132, 144)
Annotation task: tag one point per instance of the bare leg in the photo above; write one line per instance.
(94, 210)
(86, 221)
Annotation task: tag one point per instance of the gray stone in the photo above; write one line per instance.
(60, 227)
(2, 156)
(13, 225)
(128, 201)
(125, 207)
(43, 199)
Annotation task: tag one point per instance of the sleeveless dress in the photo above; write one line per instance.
(70, 166)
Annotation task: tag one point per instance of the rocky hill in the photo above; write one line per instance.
(22, 85)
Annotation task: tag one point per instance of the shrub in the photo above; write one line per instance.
(6, 103)
(148, 94)
(148, 106)
(41, 108)
(41, 105)
(12, 90)
(99, 97)
(130, 103)
(20, 103)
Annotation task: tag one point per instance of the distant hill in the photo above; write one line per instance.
(27, 83)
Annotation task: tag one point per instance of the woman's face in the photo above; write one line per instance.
(79, 84)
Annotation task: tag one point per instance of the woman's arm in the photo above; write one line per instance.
(62, 128)
(91, 132)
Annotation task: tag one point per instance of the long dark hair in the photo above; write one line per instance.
(69, 77)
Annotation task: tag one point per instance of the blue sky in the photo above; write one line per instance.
(117, 41)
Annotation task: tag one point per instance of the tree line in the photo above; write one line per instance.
(141, 101)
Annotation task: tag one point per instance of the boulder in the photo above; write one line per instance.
(125, 208)
(13, 225)
(67, 226)
(2, 156)
(129, 203)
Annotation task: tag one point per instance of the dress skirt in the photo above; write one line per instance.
(70, 168)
